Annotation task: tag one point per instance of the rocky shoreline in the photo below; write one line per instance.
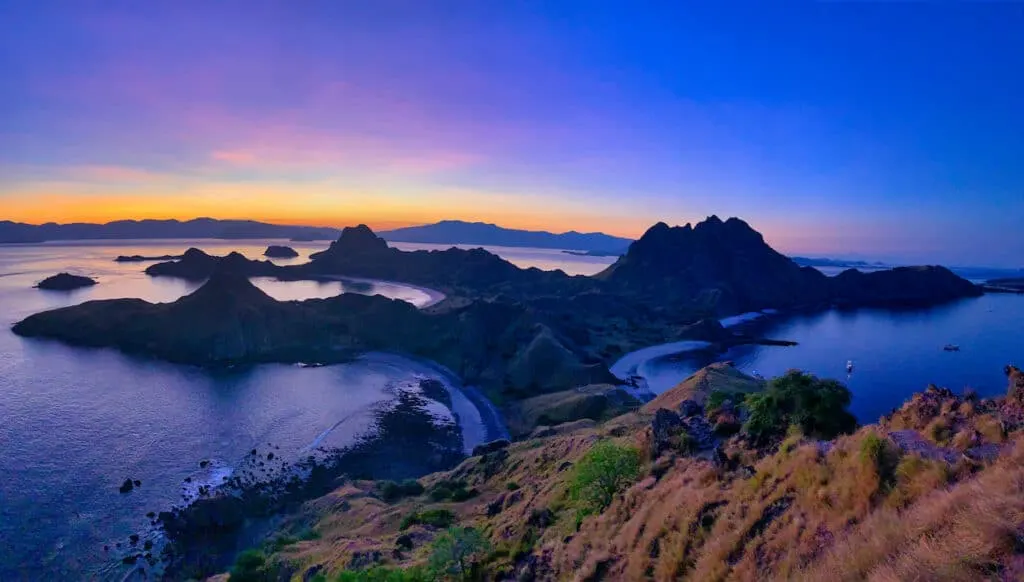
(204, 535)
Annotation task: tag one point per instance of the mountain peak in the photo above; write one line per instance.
(359, 239)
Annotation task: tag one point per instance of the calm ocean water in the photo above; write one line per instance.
(895, 353)
(74, 423)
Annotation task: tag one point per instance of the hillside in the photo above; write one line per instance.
(933, 492)
(481, 233)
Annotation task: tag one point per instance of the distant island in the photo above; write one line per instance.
(481, 233)
(65, 282)
(198, 228)
(593, 253)
(280, 252)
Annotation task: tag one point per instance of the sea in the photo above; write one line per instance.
(74, 422)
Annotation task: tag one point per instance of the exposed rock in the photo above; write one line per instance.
(65, 282)
(127, 486)
(490, 447)
(688, 408)
(542, 432)
(663, 428)
(362, 560)
(280, 252)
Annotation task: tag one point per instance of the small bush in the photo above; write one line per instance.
(452, 491)
(391, 491)
(940, 431)
(877, 453)
(250, 566)
(457, 553)
(440, 518)
(916, 477)
(601, 473)
(512, 486)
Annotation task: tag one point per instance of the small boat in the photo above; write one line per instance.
(849, 366)
(951, 348)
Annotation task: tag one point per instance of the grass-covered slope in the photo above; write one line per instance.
(933, 492)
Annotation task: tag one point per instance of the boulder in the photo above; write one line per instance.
(127, 486)
(688, 408)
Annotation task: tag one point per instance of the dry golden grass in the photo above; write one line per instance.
(855, 509)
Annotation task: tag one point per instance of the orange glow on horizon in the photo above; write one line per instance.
(39, 209)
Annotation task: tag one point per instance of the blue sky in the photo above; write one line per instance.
(883, 130)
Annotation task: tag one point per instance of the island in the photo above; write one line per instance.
(145, 259)
(280, 252)
(65, 282)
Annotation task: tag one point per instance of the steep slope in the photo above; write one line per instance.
(481, 233)
(873, 505)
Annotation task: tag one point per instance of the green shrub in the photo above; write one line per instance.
(251, 566)
(431, 517)
(876, 451)
(391, 491)
(385, 574)
(816, 407)
(451, 491)
(715, 399)
(457, 552)
(512, 486)
(601, 473)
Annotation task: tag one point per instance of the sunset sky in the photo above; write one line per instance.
(881, 130)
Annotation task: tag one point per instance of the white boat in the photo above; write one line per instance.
(849, 366)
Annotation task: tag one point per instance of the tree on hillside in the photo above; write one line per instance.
(816, 406)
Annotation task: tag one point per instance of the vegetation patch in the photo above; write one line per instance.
(440, 518)
(605, 470)
(391, 491)
(817, 407)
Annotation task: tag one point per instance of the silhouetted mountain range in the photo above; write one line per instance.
(18, 232)
(481, 233)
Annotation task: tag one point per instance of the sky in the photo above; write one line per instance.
(892, 131)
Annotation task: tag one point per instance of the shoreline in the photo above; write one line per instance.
(630, 367)
(433, 295)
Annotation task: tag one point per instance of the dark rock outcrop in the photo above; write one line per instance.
(490, 447)
(65, 282)
(280, 252)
